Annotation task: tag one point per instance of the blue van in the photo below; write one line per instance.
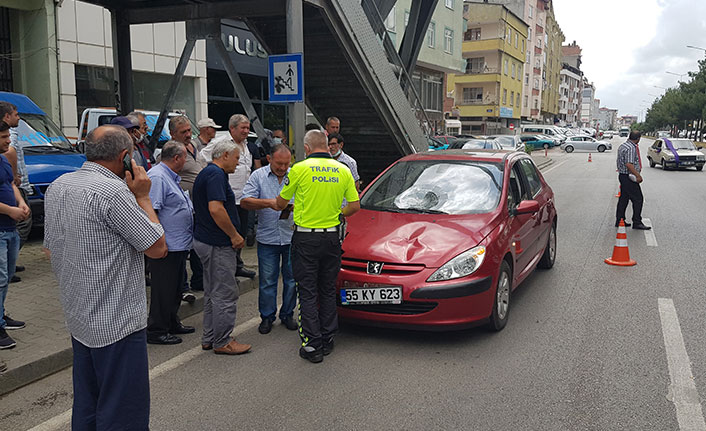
(48, 154)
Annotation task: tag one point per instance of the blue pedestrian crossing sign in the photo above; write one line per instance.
(286, 78)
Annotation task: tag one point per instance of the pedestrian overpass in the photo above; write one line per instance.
(351, 67)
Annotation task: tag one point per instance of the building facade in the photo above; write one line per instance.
(440, 53)
(551, 59)
(607, 118)
(570, 85)
(588, 94)
(488, 96)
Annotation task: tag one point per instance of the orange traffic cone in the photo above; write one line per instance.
(621, 254)
(589, 158)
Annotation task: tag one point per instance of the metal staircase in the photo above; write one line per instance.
(352, 71)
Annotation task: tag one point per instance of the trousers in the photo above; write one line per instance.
(630, 191)
(316, 261)
(165, 295)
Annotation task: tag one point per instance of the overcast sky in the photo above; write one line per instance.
(628, 45)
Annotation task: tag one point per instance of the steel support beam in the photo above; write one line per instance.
(419, 18)
(171, 93)
(185, 12)
(240, 90)
(295, 44)
(122, 63)
(384, 7)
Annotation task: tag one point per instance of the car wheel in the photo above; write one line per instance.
(501, 304)
(652, 162)
(699, 168)
(601, 148)
(664, 167)
(569, 149)
(547, 260)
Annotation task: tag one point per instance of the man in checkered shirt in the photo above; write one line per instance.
(99, 222)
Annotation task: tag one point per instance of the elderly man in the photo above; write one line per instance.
(239, 127)
(279, 134)
(180, 131)
(216, 240)
(140, 153)
(99, 222)
(274, 236)
(335, 147)
(333, 125)
(207, 131)
(176, 214)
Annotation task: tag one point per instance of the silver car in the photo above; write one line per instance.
(686, 156)
(586, 143)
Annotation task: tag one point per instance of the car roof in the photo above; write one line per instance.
(24, 104)
(491, 155)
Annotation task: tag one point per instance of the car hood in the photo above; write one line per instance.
(43, 169)
(683, 152)
(422, 239)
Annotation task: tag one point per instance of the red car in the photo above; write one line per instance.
(443, 238)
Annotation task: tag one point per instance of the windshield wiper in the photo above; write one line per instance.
(421, 211)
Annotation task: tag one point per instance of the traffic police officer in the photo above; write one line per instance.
(318, 184)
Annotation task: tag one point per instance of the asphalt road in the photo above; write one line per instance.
(588, 346)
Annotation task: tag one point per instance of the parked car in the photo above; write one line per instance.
(509, 142)
(663, 134)
(47, 152)
(551, 131)
(624, 131)
(684, 155)
(435, 144)
(444, 238)
(476, 144)
(586, 143)
(607, 134)
(537, 141)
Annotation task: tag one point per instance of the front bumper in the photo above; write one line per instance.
(672, 164)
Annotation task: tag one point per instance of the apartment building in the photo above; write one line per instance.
(570, 85)
(607, 118)
(588, 94)
(488, 96)
(551, 70)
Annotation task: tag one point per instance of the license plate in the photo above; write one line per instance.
(687, 163)
(369, 293)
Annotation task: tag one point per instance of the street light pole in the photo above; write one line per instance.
(696, 47)
(677, 74)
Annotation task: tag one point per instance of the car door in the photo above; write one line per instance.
(534, 190)
(522, 225)
(654, 151)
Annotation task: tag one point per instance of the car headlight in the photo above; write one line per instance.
(701, 157)
(31, 191)
(462, 265)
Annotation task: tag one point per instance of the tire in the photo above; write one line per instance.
(601, 148)
(652, 162)
(664, 167)
(569, 149)
(699, 168)
(501, 303)
(547, 260)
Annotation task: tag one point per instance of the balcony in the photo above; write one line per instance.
(481, 71)
(476, 78)
(537, 71)
(496, 44)
(487, 100)
(537, 50)
(535, 91)
(540, 29)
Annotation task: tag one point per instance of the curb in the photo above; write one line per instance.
(543, 164)
(16, 378)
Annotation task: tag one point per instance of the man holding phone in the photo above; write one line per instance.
(274, 238)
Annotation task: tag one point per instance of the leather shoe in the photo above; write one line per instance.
(617, 224)
(163, 339)
(311, 354)
(290, 323)
(19, 268)
(242, 272)
(642, 227)
(15, 279)
(182, 329)
(265, 326)
(206, 346)
(232, 348)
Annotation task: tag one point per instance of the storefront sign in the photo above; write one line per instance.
(505, 112)
(246, 53)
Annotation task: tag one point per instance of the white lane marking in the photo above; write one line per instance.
(650, 237)
(64, 418)
(683, 389)
(552, 168)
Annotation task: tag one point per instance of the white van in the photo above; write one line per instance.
(94, 117)
(551, 131)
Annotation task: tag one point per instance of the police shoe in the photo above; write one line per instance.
(311, 354)
(617, 224)
(641, 227)
(163, 339)
(328, 347)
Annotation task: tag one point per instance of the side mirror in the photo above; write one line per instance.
(526, 207)
(81, 146)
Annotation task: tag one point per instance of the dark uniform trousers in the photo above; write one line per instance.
(168, 276)
(629, 191)
(316, 261)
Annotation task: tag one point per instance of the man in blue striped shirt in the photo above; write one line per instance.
(274, 238)
(629, 166)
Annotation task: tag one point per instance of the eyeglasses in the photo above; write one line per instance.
(333, 143)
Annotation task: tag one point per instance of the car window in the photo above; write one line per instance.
(533, 180)
(515, 191)
(437, 186)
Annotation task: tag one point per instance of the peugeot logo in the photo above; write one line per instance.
(375, 267)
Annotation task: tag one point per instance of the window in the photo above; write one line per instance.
(513, 70)
(505, 67)
(529, 34)
(472, 34)
(517, 192)
(475, 65)
(448, 40)
(523, 45)
(526, 101)
(390, 20)
(512, 98)
(431, 35)
(517, 38)
(505, 96)
(449, 4)
(531, 11)
(527, 78)
(471, 95)
(536, 104)
(536, 84)
(406, 18)
(517, 101)
(509, 36)
(530, 171)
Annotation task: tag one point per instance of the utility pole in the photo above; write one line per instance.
(295, 44)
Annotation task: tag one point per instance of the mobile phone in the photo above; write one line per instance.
(285, 212)
(127, 164)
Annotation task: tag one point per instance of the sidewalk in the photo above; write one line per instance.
(44, 345)
(540, 160)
